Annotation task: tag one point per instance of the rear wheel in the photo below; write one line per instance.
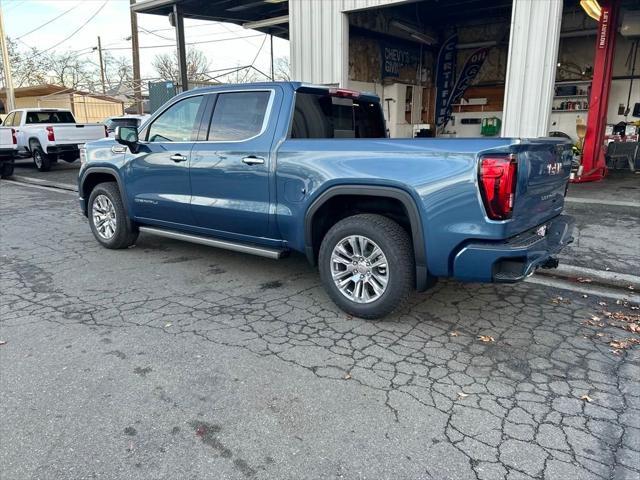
(366, 265)
(108, 219)
(40, 159)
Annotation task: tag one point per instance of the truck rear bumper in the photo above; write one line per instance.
(58, 149)
(516, 258)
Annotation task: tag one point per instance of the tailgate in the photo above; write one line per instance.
(78, 133)
(6, 138)
(544, 166)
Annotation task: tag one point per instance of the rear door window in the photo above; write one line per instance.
(322, 115)
(238, 116)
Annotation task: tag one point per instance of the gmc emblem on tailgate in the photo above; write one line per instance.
(554, 168)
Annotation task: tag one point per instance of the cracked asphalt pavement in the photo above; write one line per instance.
(176, 361)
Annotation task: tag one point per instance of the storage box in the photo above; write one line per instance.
(566, 90)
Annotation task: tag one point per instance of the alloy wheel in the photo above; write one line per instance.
(359, 269)
(104, 217)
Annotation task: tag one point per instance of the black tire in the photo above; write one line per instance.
(6, 170)
(41, 160)
(125, 234)
(396, 245)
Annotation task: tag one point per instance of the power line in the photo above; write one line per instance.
(144, 30)
(256, 57)
(77, 29)
(48, 22)
(190, 43)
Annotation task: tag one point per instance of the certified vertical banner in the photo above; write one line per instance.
(471, 68)
(445, 77)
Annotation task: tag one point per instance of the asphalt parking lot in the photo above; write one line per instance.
(61, 171)
(170, 360)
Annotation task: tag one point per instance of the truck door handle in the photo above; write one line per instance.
(253, 160)
(178, 157)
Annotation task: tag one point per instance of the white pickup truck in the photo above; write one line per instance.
(8, 149)
(49, 134)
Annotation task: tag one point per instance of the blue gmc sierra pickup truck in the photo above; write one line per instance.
(268, 168)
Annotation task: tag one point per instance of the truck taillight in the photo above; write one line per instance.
(344, 93)
(50, 135)
(14, 136)
(498, 179)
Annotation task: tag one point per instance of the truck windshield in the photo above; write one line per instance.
(50, 117)
(322, 115)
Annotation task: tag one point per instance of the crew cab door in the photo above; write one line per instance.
(158, 174)
(230, 171)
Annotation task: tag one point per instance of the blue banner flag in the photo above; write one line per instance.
(445, 77)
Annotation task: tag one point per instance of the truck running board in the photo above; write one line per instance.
(211, 242)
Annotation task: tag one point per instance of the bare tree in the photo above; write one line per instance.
(28, 66)
(71, 71)
(166, 66)
(282, 69)
(118, 73)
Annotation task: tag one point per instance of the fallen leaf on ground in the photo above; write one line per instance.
(3, 342)
(454, 334)
(584, 280)
(486, 338)
(462, 395)
(347, 376)
(586, 398)
(584, 295)
(602, 304)
(624, 344)
(630, 287)
(168, 325)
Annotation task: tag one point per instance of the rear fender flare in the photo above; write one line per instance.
(417, 233)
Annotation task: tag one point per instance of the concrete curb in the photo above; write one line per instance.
(623, 281)
(43, 183)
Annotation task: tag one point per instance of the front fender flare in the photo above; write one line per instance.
(110, 171)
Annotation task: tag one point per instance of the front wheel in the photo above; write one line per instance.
(108, 219)
(41, 159)
(366, 265)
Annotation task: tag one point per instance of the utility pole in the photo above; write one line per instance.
(271, 51)
(104, 89)
(135, 52)
(178, 23)
(8, 79)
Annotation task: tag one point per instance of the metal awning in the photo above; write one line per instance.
(268, 16)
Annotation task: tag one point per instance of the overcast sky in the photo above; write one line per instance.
(112, 24)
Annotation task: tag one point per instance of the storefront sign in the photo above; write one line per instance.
(445, 77)
(395, 58)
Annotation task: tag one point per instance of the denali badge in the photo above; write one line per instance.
(542, 231)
